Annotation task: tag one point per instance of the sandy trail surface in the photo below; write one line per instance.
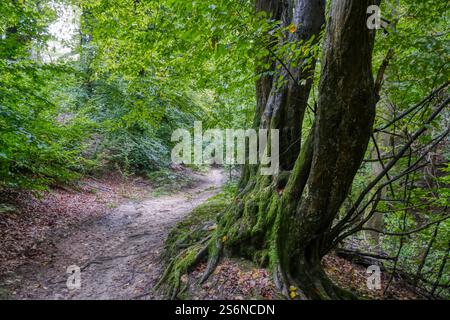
(119, 255)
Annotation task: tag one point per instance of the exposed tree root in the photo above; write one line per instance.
(190, 243)
(182, 264)
(249, 228)
(212, 262)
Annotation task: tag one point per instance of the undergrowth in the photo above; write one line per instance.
(187, 244)
(166, 181)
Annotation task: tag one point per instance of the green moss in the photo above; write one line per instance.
(200, 223)
(4, 294)
(189, 239)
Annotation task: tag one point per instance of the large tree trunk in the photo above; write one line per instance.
(285, 220)
(248, 223)
(339, 140)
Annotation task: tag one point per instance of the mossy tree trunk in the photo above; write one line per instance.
(283, 107)
(285, 220)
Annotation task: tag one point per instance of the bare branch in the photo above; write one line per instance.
(400, 234)
(404, 114)
(394, 161)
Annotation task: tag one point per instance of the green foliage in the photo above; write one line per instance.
(146, 68)
(139, 76)
(199, 224)
(36, 148)
(419, 37)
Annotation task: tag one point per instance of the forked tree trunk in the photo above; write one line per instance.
(281, 108)
(284, 107)
(343, 127)
(285, 220)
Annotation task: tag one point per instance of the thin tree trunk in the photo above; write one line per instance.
(425, 256)
(441, 272)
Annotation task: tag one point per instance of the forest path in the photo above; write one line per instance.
(119, 254)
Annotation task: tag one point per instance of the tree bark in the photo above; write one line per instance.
(284, 107)
(343, 127)
(285, 220)
(281, 108)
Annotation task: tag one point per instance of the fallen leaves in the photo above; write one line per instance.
(293, 292)
(28, 222)
(353, 277)
(234, 280)
(292, 28)
(237, 279)
(184, 278)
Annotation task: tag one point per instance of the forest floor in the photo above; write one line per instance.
(239, 279)
(115, 231)
(117, 249)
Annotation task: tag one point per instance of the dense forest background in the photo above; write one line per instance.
(90, 87)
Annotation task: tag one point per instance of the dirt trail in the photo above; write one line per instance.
(119, 254)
